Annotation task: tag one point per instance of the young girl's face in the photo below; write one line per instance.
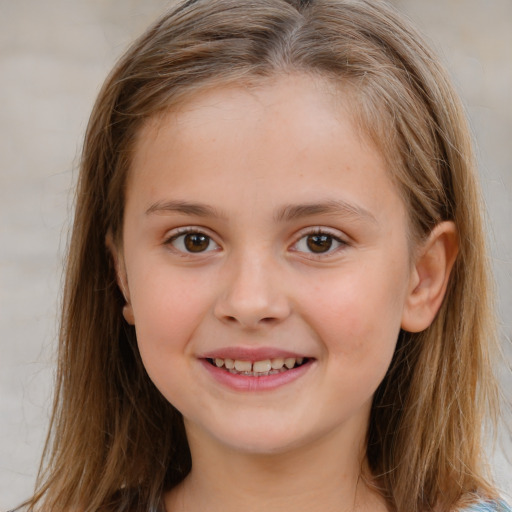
(262, 232)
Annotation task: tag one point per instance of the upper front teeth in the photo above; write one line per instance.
(258, 366)
(243, 366)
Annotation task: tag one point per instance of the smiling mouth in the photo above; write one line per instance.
(258, 368)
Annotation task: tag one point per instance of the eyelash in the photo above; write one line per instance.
(328, 236)
(333, 239)
(183, 233)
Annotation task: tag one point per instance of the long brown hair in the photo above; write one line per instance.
(115, 443)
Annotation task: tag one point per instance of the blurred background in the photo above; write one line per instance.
(54, 55)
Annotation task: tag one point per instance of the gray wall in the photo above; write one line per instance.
(54, 54)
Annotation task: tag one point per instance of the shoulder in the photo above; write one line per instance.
(488, 506)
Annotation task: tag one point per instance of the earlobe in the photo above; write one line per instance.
(128, 313)
(121, 278)
(429, 277)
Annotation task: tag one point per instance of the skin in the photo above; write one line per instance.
(248, 157)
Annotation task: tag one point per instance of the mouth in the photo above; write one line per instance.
(261, 368)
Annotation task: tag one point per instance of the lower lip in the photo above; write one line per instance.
(250, 383)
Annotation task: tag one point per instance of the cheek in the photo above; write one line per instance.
(358, 328)
(168, 306)
(357, 315)
(168, 310)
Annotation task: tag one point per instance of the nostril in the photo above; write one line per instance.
(262, 321)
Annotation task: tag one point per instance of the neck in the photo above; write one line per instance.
(314, 477)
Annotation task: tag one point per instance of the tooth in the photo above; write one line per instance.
(219, 362)
(289, 362)
(262, 366)
(277, 363)
(229, 364)
(300, 360)
(243, 366)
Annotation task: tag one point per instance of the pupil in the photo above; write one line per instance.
(319, 243)
(196, 242)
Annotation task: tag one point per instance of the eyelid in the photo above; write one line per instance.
(176, 233)
(338, 236)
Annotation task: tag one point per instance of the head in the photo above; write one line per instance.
(400, 100)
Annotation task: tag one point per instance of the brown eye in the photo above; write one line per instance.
(196, 242)
(319, 243)
(193, 242)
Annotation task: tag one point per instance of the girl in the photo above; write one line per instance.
(277, 293)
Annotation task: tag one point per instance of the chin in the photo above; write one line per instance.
(264, 441)
(264, 445)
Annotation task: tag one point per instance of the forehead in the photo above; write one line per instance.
(290, 138)
(229, 97)
(342, 97)
(309, 96)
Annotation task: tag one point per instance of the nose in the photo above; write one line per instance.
(253, 293)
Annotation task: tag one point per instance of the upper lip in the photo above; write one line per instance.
(250, 353)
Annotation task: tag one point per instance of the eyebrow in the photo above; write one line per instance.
(284, 214)
(329, 207)
(187, 208)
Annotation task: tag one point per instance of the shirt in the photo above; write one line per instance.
(488, 506)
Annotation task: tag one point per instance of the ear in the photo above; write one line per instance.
(121, 277)
(429, 277)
